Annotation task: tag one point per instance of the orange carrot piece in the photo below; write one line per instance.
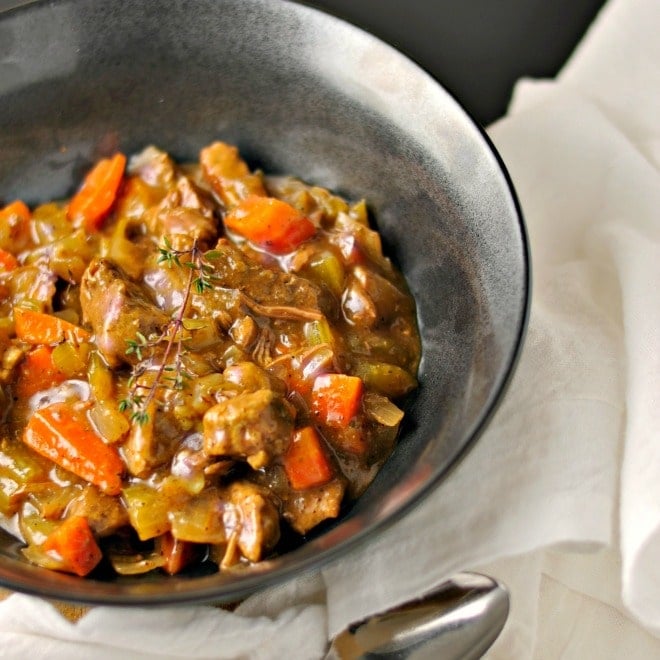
(178, 554)
(74, 544)
(305, 462)
(91, 203)
(40, 328)
(15, 233)
(62, 433)
(16, 209)
(8, 261)
(37, 372)
(269, 223)
(336, 398)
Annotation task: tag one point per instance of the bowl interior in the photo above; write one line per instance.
(301, 93)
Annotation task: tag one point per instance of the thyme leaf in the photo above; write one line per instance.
(170, 373)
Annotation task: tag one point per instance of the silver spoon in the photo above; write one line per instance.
(458, 621)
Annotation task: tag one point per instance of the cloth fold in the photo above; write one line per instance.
(560, 498)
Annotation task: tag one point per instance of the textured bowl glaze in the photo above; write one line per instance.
(304, 93)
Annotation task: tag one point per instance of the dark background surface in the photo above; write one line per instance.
(477, 49)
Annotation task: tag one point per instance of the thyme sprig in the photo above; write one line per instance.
(170, 374)
(197, 264)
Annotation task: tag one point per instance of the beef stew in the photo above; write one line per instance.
(198, 361)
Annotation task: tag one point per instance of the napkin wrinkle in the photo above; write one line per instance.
(24, 644)
(642, 581)
(20, 613)
(530, 94)
(308, 589)
(522, 576)
(578, 627)
(594, 583)
(639, 260)
(617, 63)
(589, 162)
(541, 580)
(198, 632)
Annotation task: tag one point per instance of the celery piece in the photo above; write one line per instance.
(328, 269)
(147, 511)
(49, 223)
(36, 529)
(51, 500)
(319, 332)
(200, 520)
(359, 212)
(71, 360)
(384, 378)
(22, 464)
(234, 354)
(9, 486)
(100, 379)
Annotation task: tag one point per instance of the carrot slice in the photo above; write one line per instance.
(74, 545)
(305, 462)
(40, 328)
(37, 372)
(8, 261)
(15, 227)
(62, 433)
(91, 203)
(336, 398)
(16, 209)
(269, 223)
(178, 554)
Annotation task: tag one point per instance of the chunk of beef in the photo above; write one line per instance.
(305, 509)
(249, 377)
(182, 220)
(185, 210)
(151, 444)
(192, 197)
(140, 449)
(117, 309)
(251, 521)
(252, 426)
(34, 284)
(104, 514)
(265, 292)
(390, 301)
(228, 174)
(166, 285)
(66, 257)
(153, 166)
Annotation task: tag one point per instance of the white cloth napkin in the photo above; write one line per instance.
(561, 496)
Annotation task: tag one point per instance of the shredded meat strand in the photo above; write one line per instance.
(283, 312)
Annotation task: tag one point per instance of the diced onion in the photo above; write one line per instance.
(381, 409)
(136, 564)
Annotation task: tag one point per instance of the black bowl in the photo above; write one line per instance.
(304, 93)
